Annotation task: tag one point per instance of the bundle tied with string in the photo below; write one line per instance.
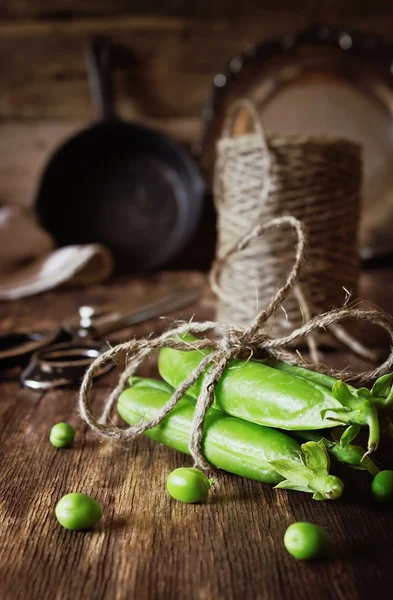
(316, 179)
(230, 342)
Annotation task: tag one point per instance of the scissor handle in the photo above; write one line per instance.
(62, 364)
(16, 347)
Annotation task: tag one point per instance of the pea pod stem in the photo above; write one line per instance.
(237, 446)
(373, 427)
(388, 403)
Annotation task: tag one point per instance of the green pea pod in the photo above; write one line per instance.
(236, 446)
(259, 393)
(381, 393)
(313, 376)
(350, 454)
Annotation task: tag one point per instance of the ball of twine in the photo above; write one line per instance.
(316, 179)
(231, 342)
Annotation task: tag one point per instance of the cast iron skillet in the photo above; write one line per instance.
(121, 184)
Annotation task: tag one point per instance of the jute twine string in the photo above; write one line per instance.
(314, 178)
(231, 342)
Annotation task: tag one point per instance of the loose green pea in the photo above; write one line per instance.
(382, 487)
(188, 485)
(62, 435)
(78, 511)
(306, 541)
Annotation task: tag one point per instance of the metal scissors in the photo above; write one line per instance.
(60, 356)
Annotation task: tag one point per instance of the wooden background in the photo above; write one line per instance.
(179, 45)
(148, 546)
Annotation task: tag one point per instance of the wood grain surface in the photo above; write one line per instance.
(147, 545)
(176, 48)
(203, 9)
(171, 64)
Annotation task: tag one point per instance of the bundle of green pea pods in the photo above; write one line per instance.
(271, 422)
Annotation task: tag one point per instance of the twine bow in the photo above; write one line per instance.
(232, 342)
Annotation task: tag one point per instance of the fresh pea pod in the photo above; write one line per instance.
(261, 394)
(381, 393)
(313, 376)
(350, 454)
(237, 446)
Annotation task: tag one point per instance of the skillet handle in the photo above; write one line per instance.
(99, 72)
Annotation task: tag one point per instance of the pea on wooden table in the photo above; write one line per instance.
(62, 435)
(306, 541)
(78, 511)
(189, 485)
(382, 487)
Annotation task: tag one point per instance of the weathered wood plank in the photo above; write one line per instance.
(63, 9)
(42, 71)
(148, 546)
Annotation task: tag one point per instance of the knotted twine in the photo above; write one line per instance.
(231, 342)
(260, 176)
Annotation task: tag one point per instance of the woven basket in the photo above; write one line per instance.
(314, 178)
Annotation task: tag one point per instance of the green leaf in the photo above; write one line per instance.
(342, 392)
(335, 411)
(317, 496)
(349, 435)
(329, 443)
(364, 393)
(289, 485)
(382, 386)
(293, 470)
(316, 456)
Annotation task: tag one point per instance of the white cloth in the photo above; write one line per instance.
(30, 263)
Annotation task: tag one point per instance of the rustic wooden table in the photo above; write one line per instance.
(147, 545)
